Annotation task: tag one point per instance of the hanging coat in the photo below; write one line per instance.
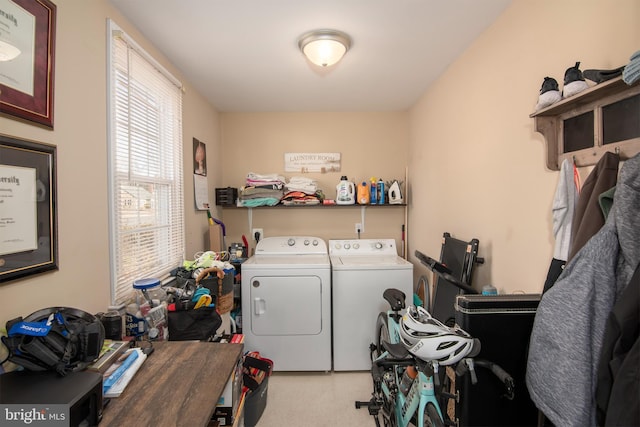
(568, 329)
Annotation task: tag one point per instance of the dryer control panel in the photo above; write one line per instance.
(363, 247)
(291, 245)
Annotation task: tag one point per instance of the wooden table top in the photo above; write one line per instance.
(178, 385)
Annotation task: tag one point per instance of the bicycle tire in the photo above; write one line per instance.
(432, 417)
(382, 334)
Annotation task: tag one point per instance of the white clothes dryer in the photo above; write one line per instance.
(361, 271)
(286, 303)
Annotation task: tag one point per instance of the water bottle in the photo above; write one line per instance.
(407, 379)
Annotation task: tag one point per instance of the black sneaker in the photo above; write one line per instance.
(573, 74)
(548, 84)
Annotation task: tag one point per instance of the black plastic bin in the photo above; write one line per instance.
(503, 325)
(256, 398)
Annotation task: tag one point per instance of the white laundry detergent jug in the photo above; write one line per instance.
(345, 192)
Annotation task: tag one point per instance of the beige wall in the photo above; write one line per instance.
(477, 167)
(80, 136)
(371, 145)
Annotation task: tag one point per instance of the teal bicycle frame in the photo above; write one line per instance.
(422, 390)
(421, 393)
(422, 402)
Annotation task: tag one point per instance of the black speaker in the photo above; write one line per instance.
(503, 325)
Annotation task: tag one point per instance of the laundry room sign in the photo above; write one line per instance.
(312, 162)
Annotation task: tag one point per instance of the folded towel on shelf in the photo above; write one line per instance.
(305, 185)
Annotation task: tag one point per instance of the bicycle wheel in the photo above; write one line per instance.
(431, 417)
(382, 334)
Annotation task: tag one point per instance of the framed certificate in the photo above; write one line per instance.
(28, 227)
(27, 53)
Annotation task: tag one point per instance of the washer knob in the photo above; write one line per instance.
(378, 245)
(356, 245)
(347, 246)
(306, 242)
(338, 246)
(315, 243)
(291, 242)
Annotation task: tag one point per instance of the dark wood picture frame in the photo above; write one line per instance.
(35, 105)
(18, 159)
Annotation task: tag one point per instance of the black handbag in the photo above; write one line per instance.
(199, 324)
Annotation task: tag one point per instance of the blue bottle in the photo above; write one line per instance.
(374, 192)
(381, 192)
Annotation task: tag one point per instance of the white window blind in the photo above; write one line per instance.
(146, 188)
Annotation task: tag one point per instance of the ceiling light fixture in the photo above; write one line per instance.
(8, 51)
(324, 47)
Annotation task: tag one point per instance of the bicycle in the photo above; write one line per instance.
(417, 340)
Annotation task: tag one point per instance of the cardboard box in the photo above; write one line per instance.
(215, 238)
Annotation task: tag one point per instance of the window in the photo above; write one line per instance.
(145, 166)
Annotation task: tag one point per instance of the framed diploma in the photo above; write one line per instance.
(27, 56)
(28, 226)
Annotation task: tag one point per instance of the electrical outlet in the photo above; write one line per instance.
(260, 233)
(359, 228)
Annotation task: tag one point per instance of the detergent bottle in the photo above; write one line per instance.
(381, 192)
(363, 193)
(373, 194)
(346, 192)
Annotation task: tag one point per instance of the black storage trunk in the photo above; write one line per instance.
(503, 325)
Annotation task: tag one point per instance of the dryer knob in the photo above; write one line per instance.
(315, 243)
(306, 242)
(338, 246)
(378, 245)
(356, 246)
(291, 242)
(347, 246)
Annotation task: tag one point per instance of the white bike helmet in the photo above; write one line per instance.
(428, 339)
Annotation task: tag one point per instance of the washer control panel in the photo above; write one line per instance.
(291, 245)
(363, 247)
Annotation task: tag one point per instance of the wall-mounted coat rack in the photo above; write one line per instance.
(605, 117)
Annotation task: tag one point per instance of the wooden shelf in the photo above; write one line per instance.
(550, 121)
(321, 206)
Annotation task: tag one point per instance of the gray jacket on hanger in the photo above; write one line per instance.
(568, 329)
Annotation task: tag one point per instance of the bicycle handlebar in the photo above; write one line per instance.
(443, 271)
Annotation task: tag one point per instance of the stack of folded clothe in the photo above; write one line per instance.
(302, 191)
(262, 190)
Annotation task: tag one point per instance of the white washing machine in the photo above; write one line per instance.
(361, 271)
(286, 303)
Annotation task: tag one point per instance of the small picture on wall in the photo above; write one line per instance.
(199, 157)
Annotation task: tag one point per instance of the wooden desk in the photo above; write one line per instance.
(178, 385)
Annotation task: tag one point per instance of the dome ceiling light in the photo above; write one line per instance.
(324, 47)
